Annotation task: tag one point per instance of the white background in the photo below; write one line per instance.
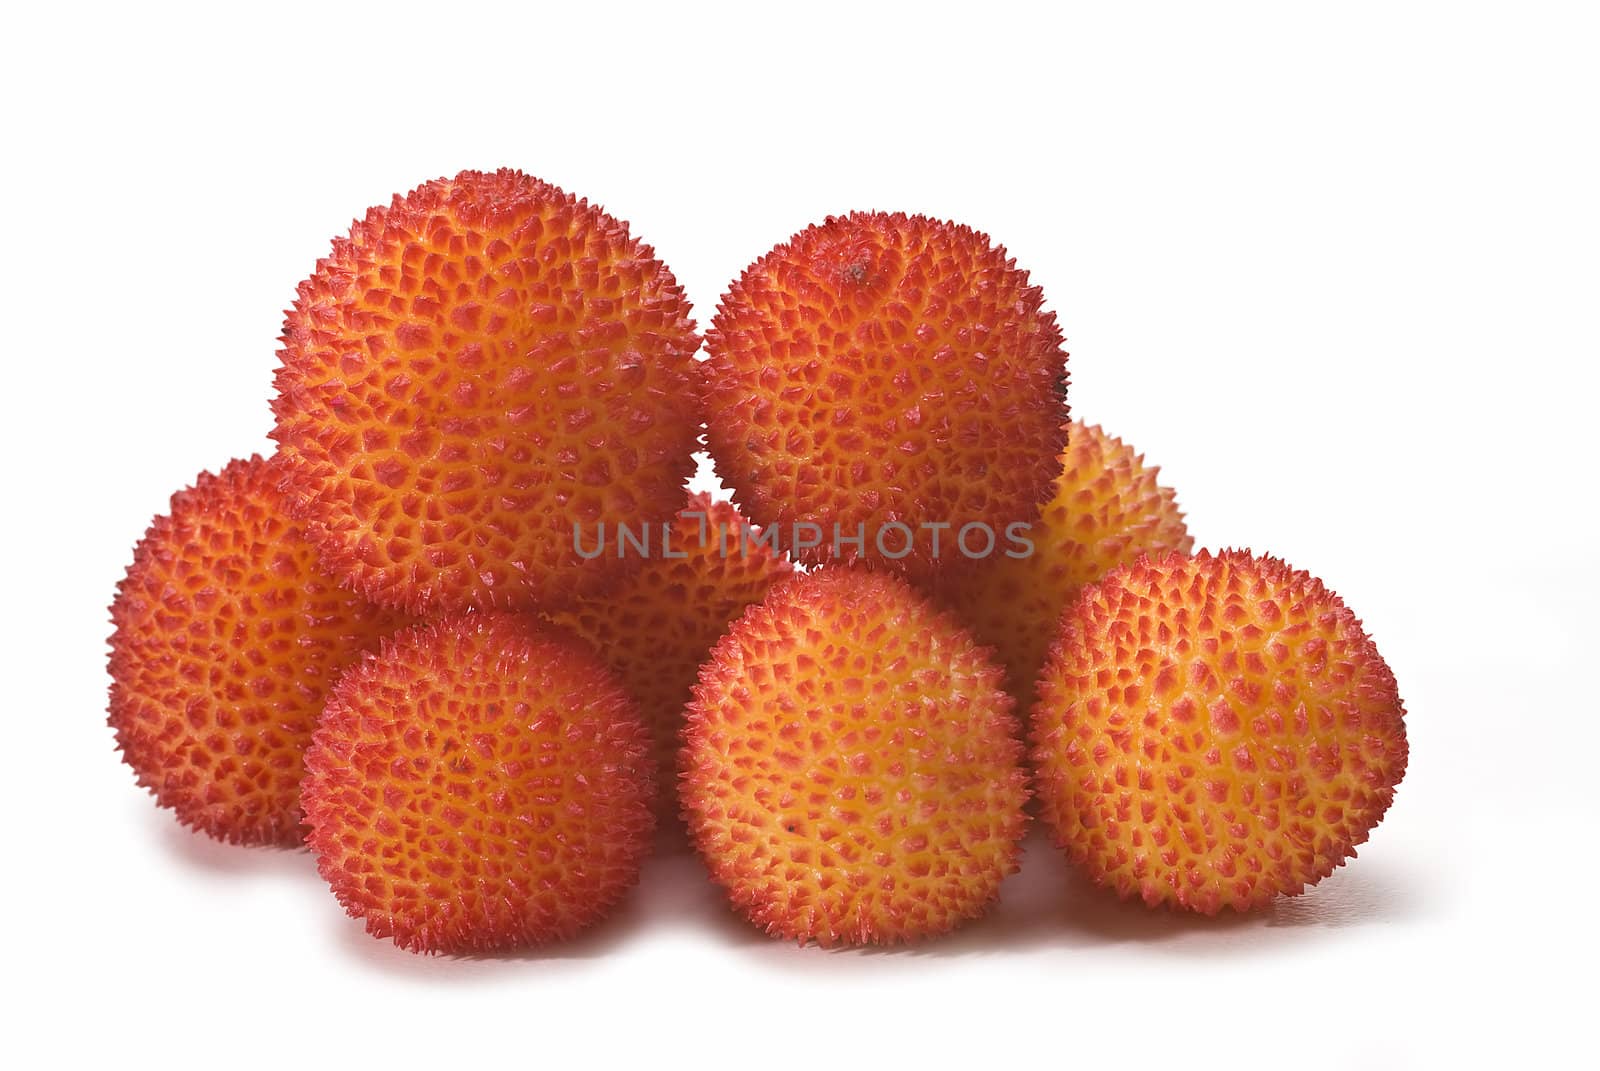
(1333, 267)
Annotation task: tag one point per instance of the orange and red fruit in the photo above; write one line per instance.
(1106, 511)
(487, 375)
(482, 783)
(478, 368)
(227, 635)
(1214, 731)
(878, 372)
(851, 769)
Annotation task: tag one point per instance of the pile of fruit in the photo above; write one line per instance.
(466, 636)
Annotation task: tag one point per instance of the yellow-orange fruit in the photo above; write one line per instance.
(481, 783)
(477, 369)
(1106, 511)
(882, 372)
(851, 769)
(1214, 731)
(227, 635)
(656, 627)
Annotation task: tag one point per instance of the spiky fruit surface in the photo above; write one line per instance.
(658, 625)
(885, 369)
(227, 636)
(481, 783)
(477, 368)
(1106, 511)
(851, 770)
(1211, 732)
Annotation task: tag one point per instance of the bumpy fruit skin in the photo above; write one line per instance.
(851, 767)
(482, 783)
(227, 636)
(1107, 510)
(477, 368)
(1214, 731)
(657, 626)
(885, 369)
